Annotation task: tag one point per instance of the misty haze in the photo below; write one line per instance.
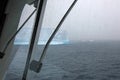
(89, 20)
(87, 46)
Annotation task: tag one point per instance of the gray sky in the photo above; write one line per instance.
(89, 19)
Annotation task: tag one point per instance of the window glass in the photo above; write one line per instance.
(86, 47)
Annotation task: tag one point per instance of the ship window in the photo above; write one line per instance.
(87, 46)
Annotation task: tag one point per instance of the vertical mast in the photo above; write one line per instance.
(36, 30)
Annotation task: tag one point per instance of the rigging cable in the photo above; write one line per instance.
(38, 64)
(13, 36)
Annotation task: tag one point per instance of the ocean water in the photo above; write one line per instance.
(75, 61)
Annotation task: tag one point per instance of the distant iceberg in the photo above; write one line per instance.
(23, 38)
(91, 40)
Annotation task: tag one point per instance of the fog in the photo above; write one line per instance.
(89, 19)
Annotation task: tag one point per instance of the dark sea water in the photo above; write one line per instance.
(75, 61)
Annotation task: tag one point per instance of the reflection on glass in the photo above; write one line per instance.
(87, 47)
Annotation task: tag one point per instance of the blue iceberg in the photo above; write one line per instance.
(23, 38)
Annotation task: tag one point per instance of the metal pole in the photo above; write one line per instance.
(13, 36)
(36, 26)
(54, 33)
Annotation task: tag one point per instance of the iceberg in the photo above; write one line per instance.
(23, 38)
